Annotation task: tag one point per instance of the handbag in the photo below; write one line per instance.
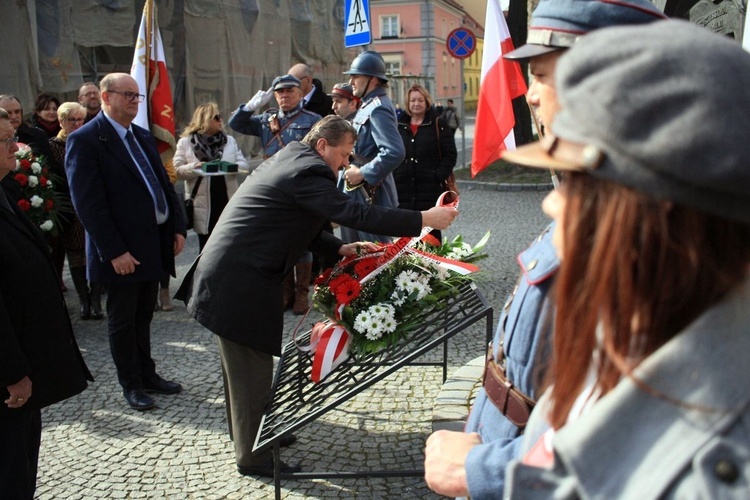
(190, 207)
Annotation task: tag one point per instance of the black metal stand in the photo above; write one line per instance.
(298, 401)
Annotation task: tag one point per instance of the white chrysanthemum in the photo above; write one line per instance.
(18, 163)
(46, 225)
(374, 333)
(398, 298)
(389, 325)
(33, 181)
(460, 253)
(361, 321)
(440, 273)
(49, 184)
(36, 168)
(36, 201)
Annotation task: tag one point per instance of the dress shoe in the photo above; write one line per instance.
(138, 400)
(266, 469)
(287, 440)
(160, 386)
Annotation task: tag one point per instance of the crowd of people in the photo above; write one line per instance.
(617, 367)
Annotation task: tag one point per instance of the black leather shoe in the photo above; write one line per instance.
(287, 440)
(160, 386)
(266, 470)
(138, 400)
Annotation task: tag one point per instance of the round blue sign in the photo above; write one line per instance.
(461, 43)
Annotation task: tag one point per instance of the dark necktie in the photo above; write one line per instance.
(148, 173)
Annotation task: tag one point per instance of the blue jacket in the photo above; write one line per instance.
(115, 205)
(379, 142)
(636, 443)
(245, 122)
(524, 319)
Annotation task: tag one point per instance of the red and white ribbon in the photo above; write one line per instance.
(331, 344)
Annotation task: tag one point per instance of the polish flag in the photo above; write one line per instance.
(156, 112)
(501, 82)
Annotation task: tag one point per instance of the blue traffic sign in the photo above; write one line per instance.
(461, 43)
(357, 23)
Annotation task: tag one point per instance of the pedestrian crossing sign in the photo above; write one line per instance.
(357, 23)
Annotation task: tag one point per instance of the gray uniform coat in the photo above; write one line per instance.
(636, 444)
(234, 287)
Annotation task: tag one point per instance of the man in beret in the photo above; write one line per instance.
(472, 463)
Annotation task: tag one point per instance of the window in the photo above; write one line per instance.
(389, 27)
(392, 63)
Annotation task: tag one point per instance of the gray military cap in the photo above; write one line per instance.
(557, 24)
(285, 82)
(661, 108)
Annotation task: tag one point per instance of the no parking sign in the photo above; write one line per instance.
(461, 43)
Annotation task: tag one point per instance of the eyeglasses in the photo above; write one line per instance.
(9, 142)
(217, 118)
(129, 96)
(75, 120)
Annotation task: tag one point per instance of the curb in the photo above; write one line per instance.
(494, 186)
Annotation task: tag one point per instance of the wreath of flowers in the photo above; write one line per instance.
(379, 310)
(38, 198)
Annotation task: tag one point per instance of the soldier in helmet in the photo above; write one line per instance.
(345, 103)
(379, 148)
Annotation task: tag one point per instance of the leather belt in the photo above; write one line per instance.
(511, 402)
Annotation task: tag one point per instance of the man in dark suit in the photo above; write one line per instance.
(234, 287)
(134, 228)
(313, 96)
(40, 363)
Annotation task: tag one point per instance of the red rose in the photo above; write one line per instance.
(347, 291)
(49, 205)
(25, 163)
(22, 179)
(42, 181)
(24, 205)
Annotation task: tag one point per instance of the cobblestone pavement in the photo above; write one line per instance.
(95, 446)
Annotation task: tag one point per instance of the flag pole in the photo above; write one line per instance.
(147, 13)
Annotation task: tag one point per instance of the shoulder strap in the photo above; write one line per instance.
(437, 136)
(277, 135)
(195, 188)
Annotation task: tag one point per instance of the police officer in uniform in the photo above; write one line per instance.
(275, 127)
(379, 148)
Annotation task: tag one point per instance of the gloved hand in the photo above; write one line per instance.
(261, 98)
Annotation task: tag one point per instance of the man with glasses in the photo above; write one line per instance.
(41, 363)
(25, 133)
(134, 225)
(90, 98)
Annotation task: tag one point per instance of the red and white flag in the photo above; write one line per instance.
(156, 112)
(501, 82)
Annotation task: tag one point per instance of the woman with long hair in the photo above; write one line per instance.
(45, 115)
(649, 395)
(430, 153)
(71, 116)
(204, 140)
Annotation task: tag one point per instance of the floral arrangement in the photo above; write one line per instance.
(378, 297)
(38, 198)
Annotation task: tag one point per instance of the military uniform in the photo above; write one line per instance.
(291, 126)
(522, 337)
(380, 145)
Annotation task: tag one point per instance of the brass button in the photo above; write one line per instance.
(726, 471)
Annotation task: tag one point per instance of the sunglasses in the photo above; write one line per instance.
(217, 118)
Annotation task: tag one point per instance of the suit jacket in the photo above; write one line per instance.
(636, 443)
(234, 287)
(36, 337)
(320, 103)
(115, 205)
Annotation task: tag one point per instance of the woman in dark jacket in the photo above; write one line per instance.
(45, 115)
(430, 153)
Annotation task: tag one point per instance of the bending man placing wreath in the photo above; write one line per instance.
(234, 287)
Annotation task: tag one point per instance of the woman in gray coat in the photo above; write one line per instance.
(650, 395)
(234, 287)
